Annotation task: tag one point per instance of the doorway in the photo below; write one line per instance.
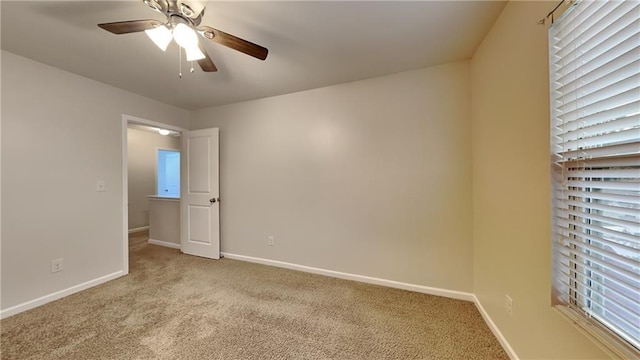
(140, 180)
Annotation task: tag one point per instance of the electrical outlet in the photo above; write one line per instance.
(57, 265)
(270, 240)
(508, 305)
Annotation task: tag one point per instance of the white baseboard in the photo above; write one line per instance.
(164, 243)
(503, 341)
(360, 278)
(142, 228)
(58, 295)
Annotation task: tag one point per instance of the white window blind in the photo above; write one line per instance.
(594, 53)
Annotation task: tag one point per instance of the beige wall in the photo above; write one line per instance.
(60, 134)
(511, 199)
(141, 165)
(164, 221)
(370, 178)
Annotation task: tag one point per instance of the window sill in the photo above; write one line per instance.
(615, 347)
(165, 198)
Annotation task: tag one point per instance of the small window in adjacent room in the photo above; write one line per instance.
(168, 176)
(594, 63)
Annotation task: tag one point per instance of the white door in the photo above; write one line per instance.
(200, 200)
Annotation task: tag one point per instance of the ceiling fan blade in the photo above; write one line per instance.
(234, 42)
(125, 27)
(206, 64)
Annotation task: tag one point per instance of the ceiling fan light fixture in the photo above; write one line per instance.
(185, 36)
(194, 53)
(161, 36)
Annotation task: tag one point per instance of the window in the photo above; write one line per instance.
(594, 62)
(168, 179)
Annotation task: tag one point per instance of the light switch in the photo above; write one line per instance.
(100, 186)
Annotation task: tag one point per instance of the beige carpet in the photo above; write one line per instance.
(174, 306)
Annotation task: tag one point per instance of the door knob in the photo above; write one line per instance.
(212, 200)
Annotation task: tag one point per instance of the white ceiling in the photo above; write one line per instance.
(311, 44)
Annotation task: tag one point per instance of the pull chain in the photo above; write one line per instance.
(192, 70)
(179, 62)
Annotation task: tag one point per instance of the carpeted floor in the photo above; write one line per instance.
(174, 306)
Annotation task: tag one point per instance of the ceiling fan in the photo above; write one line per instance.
(183, 26)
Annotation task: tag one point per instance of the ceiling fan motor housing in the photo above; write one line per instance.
(191, 11)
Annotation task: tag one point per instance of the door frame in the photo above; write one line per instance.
(126, 120)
